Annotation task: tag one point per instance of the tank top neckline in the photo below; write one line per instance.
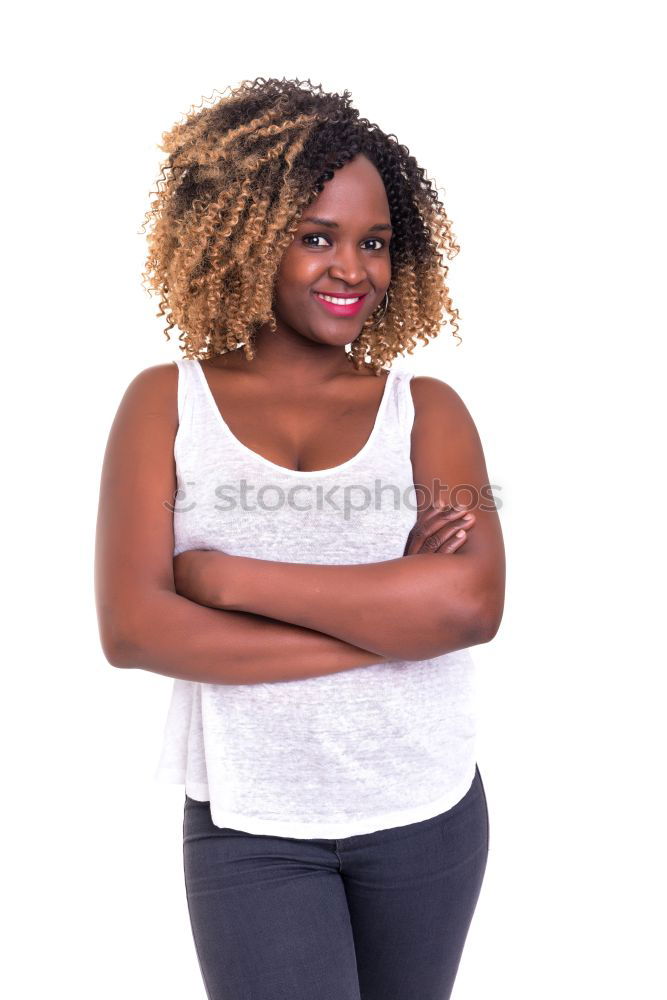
(282, 468)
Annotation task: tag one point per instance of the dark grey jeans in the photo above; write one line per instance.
(379, 916)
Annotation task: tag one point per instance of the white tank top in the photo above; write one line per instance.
(365, 749)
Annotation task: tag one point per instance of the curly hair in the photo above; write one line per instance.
(237, 177)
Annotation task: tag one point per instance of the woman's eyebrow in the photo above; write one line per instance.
(334, 225)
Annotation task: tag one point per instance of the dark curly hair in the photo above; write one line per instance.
(238, 176)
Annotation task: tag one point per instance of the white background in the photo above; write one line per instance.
(543, 126)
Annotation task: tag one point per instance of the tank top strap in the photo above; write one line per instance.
(191, 392)
(400, 412)
(404, 401)
(181, 391)
(190, 397)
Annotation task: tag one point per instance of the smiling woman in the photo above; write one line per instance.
(241, 182)
(262, 540)
(346, 271)
(342, 303)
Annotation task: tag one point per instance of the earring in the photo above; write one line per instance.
(383, 306)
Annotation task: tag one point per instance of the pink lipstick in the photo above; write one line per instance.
(338, 309)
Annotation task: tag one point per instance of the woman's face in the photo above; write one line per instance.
(347, 257)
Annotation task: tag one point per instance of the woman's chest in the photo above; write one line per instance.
(234, 503)
(285, 478)
(302, 431)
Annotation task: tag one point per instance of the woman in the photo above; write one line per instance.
(315, 583)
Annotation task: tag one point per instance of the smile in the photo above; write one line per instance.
(341, 305)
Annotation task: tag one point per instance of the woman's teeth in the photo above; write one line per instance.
(338, 301)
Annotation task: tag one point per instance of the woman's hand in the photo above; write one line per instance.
(198, 575)
(437, 528)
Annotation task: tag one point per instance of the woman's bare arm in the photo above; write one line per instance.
(143, 622)
(410, 608)
(179, 638)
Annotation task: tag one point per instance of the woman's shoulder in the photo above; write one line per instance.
(437, 403)
(152, 388)
(429, 393)
(156, 377)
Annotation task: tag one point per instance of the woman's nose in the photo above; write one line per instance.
(348, 266)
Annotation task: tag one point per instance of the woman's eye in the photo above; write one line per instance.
(319, 236)
(313, 236)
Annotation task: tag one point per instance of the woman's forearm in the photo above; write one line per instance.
(412, 608)
(168, 634)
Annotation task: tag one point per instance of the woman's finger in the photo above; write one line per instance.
(455, 543)
(435, 526)
(438, 540)
(427, 522)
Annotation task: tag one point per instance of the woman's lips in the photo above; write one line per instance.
(348, 310)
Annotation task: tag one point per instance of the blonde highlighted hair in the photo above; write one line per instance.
(236, 180)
